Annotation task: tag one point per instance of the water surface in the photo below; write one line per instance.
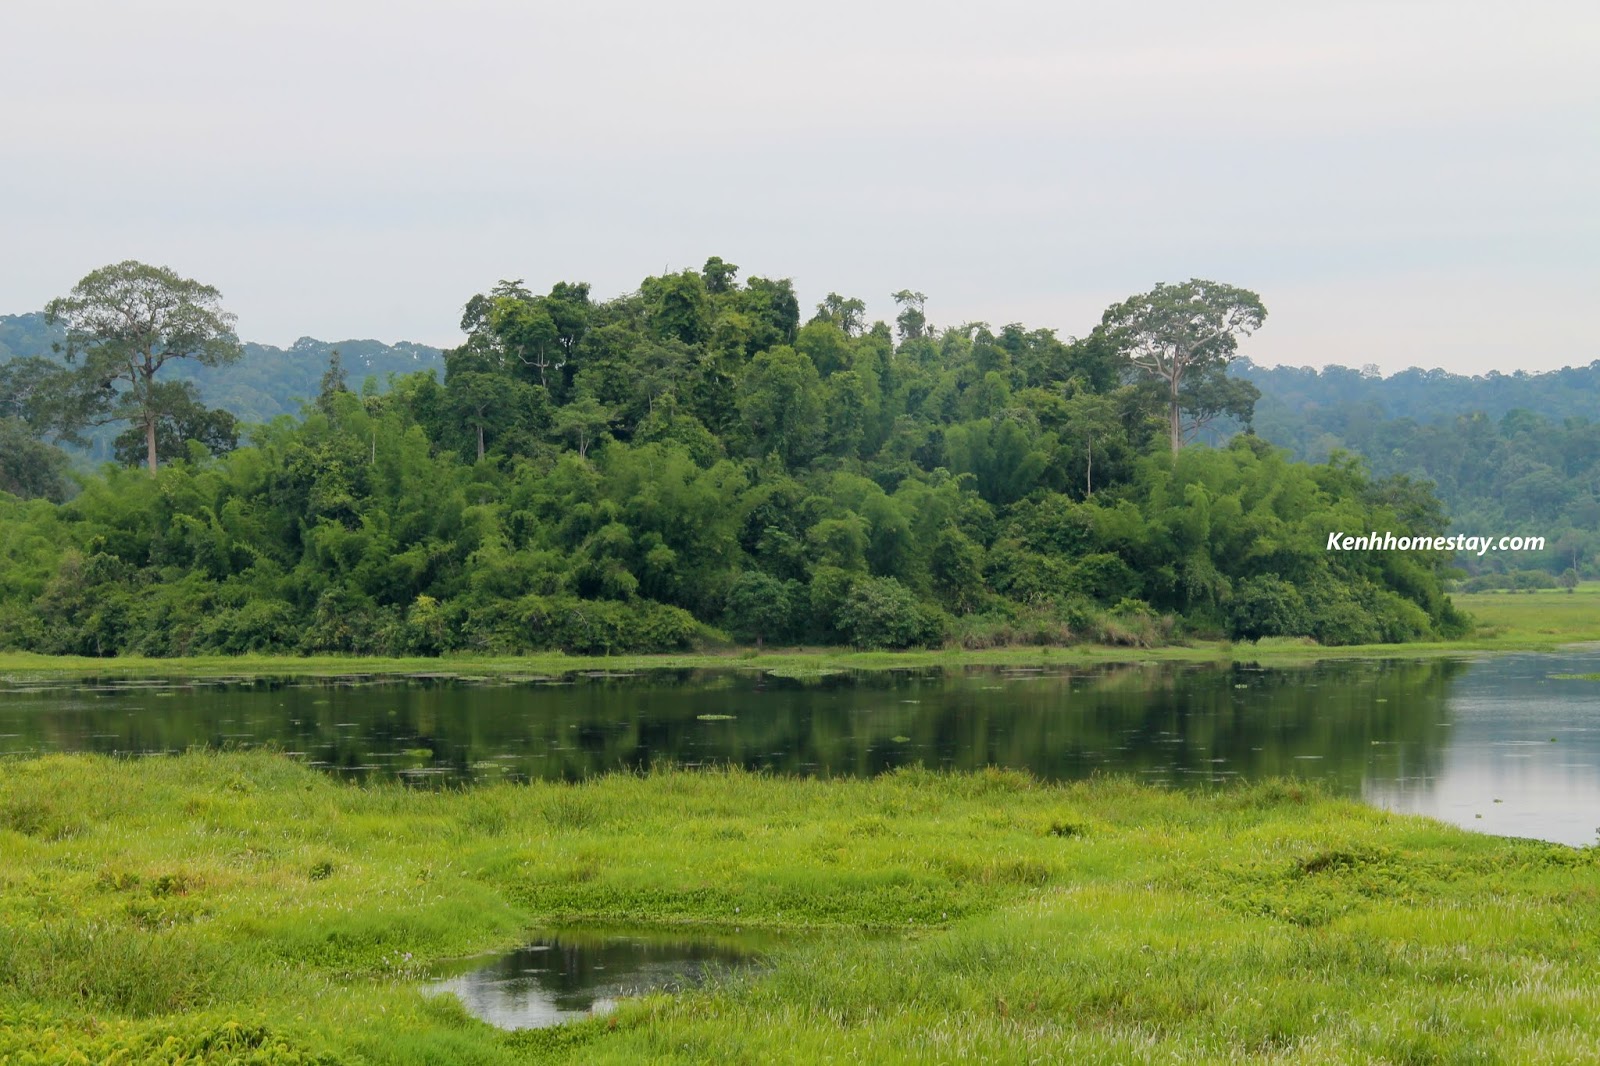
(1444, 737)
(581, 973)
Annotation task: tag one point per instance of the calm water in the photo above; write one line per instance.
(1446, 738)
(577, 974)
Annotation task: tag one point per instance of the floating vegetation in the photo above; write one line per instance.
(715, 717)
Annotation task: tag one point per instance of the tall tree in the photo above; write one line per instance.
(1173, 329)
(912, 320)
(182, 418)
(849, 314)
(719, 275)
(126, 321)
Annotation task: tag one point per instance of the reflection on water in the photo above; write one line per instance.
(577, 974)
(1441, 737)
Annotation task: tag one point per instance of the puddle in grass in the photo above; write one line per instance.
(575, 974)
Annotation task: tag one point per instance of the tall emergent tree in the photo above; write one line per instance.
(1173, 329)
(125, 322)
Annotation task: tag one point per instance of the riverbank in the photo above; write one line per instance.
(1538, 621)
(240, 904)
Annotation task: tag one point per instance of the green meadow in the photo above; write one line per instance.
(238, 907)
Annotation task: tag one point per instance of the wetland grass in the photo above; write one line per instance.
(239, 907)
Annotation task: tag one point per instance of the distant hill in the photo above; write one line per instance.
(1311, 412)
(267, 382)
(1508, 453)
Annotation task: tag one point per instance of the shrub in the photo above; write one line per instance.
(1268, 606)
(879, 612)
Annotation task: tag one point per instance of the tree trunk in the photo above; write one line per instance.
(1088, 471)
(1175, 424)
(148, 371)
(480, 444)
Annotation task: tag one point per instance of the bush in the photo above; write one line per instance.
(1268, 606)
(759, 607)
(256, 626)
(879, 612)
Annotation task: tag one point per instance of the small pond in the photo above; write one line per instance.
(581, 973)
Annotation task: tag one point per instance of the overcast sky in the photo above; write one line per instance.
(1403, 183)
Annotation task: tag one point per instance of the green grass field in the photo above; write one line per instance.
(1505, 622)
(241, 908)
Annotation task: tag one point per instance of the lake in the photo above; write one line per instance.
(1496, 743)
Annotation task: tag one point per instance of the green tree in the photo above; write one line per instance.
(1175, 329)
(29, 467)
(912, 320)
(582, 422)
(849, 314)
(50, 398)
(182, 418)
(333, 382)
(780, 398)
(126, 321)
(759, 606)
(719, 275)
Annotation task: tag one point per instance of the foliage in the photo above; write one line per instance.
(30, 467)
(622, 475)
(1507, 454)
(1181, 335)
(123, 323)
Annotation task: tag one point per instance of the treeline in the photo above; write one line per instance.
(697, 460)
(1506, 453)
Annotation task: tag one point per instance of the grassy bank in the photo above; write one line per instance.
(239, 907)
(1505, 622)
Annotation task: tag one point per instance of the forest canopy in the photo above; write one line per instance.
(702, 460)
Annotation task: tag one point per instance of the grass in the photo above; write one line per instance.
(1537, 621)
(1552, 616)
(237, 907)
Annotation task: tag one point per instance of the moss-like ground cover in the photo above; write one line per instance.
(241, 908)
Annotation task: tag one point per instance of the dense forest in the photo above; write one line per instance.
(1507, 453)
(696, 460)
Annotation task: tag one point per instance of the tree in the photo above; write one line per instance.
(848, 314)
(182, 418)
(1211, 394)
(582, 422)
(781, 399)
(528, 332)
(719, 275)
(29, 467)
(46, 395)
(759, 606)
(1173, 329)
(333, 383)
(912, 321)
(126, 321)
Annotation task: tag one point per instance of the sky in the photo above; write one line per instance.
(1403, 183)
